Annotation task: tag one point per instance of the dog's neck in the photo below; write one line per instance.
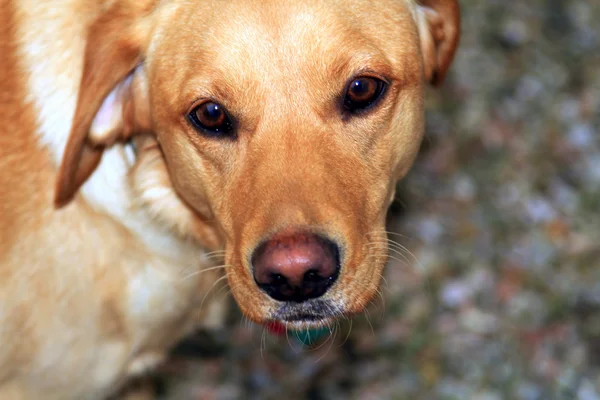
(109, 192)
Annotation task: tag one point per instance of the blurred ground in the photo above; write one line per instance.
(499, 297)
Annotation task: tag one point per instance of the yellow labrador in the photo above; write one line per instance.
(138, 137)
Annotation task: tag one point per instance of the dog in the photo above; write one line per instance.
(151, 150)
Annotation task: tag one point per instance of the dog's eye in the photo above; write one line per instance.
(362, 93)
(212, 119)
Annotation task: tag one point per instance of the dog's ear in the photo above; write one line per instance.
(439, 30)
(112, 99)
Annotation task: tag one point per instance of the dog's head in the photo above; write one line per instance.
(283, 125)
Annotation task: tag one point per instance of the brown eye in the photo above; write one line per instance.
(212, 119)
(362, 93)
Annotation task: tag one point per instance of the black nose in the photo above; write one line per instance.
(296, 266)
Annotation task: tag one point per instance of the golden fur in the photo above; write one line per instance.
(104, 255)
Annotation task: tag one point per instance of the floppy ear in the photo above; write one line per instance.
(439, 30)
(111, 102)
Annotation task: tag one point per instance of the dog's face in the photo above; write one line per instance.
(284, 126)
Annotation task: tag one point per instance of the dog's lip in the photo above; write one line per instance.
(310, 313)
(304, 317)
(303, 323)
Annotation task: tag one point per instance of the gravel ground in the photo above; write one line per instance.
(493, 291)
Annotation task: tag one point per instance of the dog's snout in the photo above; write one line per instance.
(296, 266)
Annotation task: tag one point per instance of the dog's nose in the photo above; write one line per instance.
(296, 266)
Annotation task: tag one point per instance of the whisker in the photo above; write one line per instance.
(368, 317)
(329, 328)
(314, 349)
(392, 246)
(348, 334)
(242, 322)
(209, 290)
(220, 252)
(245, 322)
(287, 337)
(404, 261)
(384, 231)
(404, 248)
(328, 340)
(199, 313)
(204, 258)
(389, 233)
(223, 266)
(386, 244)
(382, 304)
(398, 246)
(385, 281)
(214, 257)
(223, 288)
(332, 336)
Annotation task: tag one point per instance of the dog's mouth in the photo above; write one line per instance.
(310, 313)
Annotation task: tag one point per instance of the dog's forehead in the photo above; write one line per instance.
(276, 36)
(271, 58)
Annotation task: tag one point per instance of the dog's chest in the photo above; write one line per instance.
(160, 305)
(158, 309)
(165, 300)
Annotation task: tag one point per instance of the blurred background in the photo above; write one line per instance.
(493, 289)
